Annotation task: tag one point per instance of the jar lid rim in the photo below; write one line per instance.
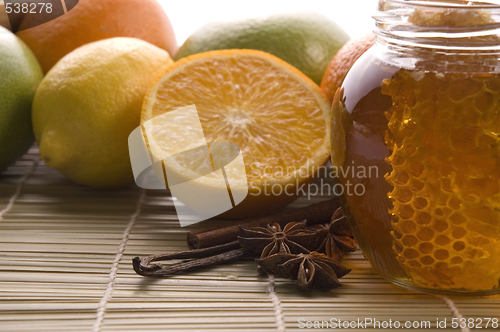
(447, 4)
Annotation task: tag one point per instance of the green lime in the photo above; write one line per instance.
(20, 75)
(306, 40)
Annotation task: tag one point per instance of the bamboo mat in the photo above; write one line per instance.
(66, 253)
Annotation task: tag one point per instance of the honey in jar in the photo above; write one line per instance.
(422, 108)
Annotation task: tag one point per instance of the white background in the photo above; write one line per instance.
(354, 16)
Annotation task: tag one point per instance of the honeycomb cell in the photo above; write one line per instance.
(459, 245)
(407, 226)
(406, 211)
(420, 203)
(410, 254)
(459, 233)
(440, 226)
(403, 194)
(423, 218)
(416, 185)
(409, 241)
(401, 178)
(442, 240)
(456, 260)
(438, 212)
(441, 254)
(425, 234)
(427, 260)
(425, 247)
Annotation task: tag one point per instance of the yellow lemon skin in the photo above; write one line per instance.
(89, 103)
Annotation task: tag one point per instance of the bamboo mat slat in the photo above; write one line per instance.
(59, 244)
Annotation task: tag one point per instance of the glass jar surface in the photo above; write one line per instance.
(416, 123)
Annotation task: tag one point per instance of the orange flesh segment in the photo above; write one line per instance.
(277, 116)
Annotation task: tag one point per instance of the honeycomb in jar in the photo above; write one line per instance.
(444, 138)
(453, 17)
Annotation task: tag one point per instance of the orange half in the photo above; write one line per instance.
(276, 115)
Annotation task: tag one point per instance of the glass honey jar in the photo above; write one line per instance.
(417, 124)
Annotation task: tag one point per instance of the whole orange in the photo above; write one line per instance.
(343, 61)
(93, 20)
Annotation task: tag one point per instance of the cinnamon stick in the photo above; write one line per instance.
(319, 213)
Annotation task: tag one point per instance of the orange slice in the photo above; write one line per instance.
(277, 116)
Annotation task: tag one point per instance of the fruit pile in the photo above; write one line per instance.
(109, 68)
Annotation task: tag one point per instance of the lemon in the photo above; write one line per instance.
(275, 114)
(306, 40)
(20, 75)
(88, 104)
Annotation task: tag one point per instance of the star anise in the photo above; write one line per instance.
(294, 238)
(312, 270)
(337, 237)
